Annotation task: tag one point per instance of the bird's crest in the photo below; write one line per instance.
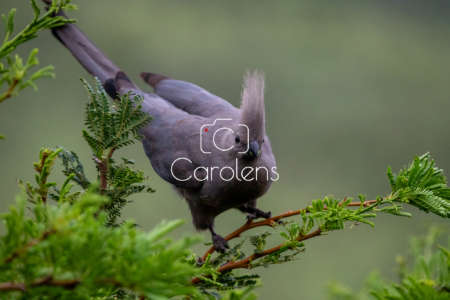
(252, 107)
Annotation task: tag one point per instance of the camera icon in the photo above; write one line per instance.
(205, 129)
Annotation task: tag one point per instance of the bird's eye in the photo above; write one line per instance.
(238, 139)
(263, 140)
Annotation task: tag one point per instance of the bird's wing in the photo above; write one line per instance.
(89, 56)
(190, 97)
(172, 135)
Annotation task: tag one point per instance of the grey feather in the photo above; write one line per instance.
(192, 99)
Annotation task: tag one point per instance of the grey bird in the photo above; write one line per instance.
(215, 155)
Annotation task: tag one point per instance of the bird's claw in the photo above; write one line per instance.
(251, 216)
(220, 244)
(259, 214)
(265, 215)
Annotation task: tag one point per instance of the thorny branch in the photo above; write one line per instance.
(48, 281)
(245, 263)
(103, 169)
(271, 221)
(30, 244)
(10, 90)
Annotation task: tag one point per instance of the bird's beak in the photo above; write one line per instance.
(253, 149)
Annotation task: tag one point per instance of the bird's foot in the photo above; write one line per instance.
(259, 214)
(220, 244)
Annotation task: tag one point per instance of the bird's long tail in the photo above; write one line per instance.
(89, 56)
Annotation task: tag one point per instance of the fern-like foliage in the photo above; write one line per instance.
(111, 127)
(43, 168)
(259, 240)
(115, 127)
(124, 183)
(228, 282)
(72, 165)
(330, 214)
(423, 185)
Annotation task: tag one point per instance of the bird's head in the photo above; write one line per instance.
(251, 136)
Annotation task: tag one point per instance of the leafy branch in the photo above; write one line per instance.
(16, 72)
(15, 75)
(111, 128)
(47, 159)
(46, 21)
(420, 184)
(48, 256)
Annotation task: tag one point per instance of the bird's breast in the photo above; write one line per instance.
(237, 183)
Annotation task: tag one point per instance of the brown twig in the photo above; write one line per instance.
(110, 154)
(30, 244)
(245, 263)
(103, 168)
(49, 281)
(271, 221)
(46, 281)
(10, 90)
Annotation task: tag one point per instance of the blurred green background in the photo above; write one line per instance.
(352, 87)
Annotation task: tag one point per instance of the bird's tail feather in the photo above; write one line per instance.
(89, 56)
(123, 84)
(152, 78)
